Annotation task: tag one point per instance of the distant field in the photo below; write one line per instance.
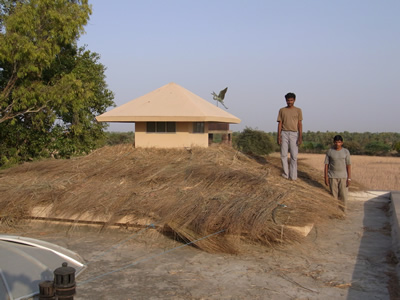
(373, 172)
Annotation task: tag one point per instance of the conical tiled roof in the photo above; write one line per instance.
(170, 102)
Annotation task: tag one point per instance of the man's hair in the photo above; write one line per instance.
(338, 138)
(290, 95)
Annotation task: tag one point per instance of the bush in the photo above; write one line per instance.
(311, 147)
(397, 147)
(254, 142)
(115, 138)
(377, 148)
(353, 147)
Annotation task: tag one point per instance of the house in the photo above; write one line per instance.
(170, 117)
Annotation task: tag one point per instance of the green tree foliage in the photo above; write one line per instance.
(396, 147)
(357, 143)
(365, 143)
(115, 138)
(50, 90)
(377, 148)
(32, 35)
(312, 147)
(353, 146)
(255, 142)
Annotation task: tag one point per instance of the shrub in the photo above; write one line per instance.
(397, 147)
(376, 148)
(353, 147)
(254, 142)
(115, 138)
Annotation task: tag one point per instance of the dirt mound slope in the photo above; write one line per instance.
(192, 193)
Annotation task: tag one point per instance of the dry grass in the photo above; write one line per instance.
(191, 193)
(373, 172)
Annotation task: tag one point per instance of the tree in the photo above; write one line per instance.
(353, 147)
(66, 129)
(251, 141)
(32, 34)
(397, 147)
(48, 104)
(116, 138)
(307, 147)
(377, 148)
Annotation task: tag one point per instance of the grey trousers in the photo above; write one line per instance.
(339, 191)
(289, 144)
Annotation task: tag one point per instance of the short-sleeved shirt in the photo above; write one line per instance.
(290, 118)
(337, 161)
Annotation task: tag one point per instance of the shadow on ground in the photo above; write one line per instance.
(374, 275)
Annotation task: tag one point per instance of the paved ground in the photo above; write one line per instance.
(347, 259)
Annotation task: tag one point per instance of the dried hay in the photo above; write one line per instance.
(191, 193)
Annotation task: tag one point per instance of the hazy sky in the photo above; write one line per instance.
(340, 57)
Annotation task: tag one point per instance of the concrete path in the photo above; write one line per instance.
(374, 275)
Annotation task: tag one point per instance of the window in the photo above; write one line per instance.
(171, 127)
(198, 127)
(160, 127)
(151, 127)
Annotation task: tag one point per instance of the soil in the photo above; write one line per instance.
(351, 258)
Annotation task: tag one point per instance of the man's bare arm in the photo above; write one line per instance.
(348, 169)
(300, 138)
(326, 175)
(279, 139)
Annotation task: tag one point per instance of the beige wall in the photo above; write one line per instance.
(183, 137)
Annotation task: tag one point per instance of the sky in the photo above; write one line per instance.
(340, 57)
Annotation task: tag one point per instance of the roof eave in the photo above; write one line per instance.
(167, 119)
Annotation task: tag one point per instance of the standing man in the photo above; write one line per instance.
(290, 135)
(338, 170)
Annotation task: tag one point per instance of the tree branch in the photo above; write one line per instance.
(9, 116)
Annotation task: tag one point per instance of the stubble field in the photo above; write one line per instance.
(373, 172)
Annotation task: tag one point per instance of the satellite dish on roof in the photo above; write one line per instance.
(25, 262)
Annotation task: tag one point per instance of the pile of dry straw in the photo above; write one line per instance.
(192, 193)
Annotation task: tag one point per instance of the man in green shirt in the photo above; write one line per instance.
(338, 170)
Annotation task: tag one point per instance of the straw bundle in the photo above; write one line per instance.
(189, 193)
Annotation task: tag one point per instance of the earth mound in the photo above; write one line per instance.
(215, 198)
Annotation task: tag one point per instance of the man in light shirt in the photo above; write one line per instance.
(290, 135)
(338, 171)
